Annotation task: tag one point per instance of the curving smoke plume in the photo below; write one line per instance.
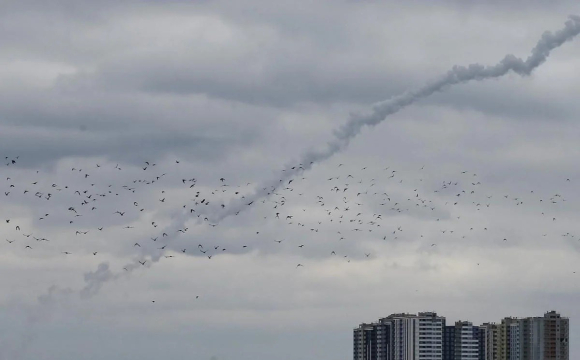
(342, 136)
(380, 111)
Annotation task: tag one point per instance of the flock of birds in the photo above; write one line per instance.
(369, 203)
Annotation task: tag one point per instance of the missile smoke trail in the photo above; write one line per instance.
(342, 136)
(380, 111)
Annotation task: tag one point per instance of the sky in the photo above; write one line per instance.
(463, 201)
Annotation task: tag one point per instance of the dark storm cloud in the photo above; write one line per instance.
(55, 124)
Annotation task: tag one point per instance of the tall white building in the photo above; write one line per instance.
(417, 337)
(467, 341)
(429, 340)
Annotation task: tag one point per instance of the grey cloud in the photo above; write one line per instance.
(240, 96)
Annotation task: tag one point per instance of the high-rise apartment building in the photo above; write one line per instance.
(544, 338)
(365, 342)
(417, 336)
(429, 342)
(461, 341)
(515, 343)
(449, 342)
(400, 337)
(556, 336)
(482, 341)
(491, 337)
(466, 341)
(384, 339)
(425, 337)
(504, 338)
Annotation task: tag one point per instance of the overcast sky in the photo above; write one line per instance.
(240, 90)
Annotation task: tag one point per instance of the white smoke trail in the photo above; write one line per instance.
(380, 111)
(343, 135)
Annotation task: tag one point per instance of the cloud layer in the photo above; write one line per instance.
(241, 91)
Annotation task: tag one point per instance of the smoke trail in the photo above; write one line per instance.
(380, 111)
(343, 135)
(94, 280)
(43, 310)
(48, 303)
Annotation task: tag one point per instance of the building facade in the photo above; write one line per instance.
(425, 336)
(482, 341)
(504, 338)
(491, 336)
(461, 341)
(546, 337)
(364, 344)
(400, 337)
(515, 340)
(466, 341)
(449, 342)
